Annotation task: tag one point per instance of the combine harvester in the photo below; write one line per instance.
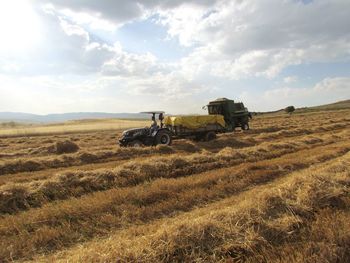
(224, 116)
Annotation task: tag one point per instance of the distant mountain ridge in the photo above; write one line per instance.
(344, 104)
(340, 105)
(61, 117)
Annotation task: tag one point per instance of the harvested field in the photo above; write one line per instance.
(279, 192)
(69, 127)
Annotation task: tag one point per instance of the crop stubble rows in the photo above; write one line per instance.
(77, 206)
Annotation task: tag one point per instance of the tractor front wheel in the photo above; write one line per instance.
(136, 144)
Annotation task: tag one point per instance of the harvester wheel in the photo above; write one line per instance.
(209, 136)
(164, 138)
(136, 144)
(245, 126)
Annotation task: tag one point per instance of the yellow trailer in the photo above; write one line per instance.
(194, 122)
(199, 126)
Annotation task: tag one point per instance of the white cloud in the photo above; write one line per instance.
(128, 64)
(87, 19)
(66, 49)
(290, 79)
(108, 13)
(117, 11)
(261, 38)
(109, 94)
(340, 86)
(166, 86)
(230, 40)
(69, 48)
(182, 22)
(19, 27)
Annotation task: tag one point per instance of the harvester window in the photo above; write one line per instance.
(239, 106)
(215, 109)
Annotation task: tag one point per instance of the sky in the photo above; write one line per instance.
(61, 56)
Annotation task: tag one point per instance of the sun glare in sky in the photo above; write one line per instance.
(125, 56)
(19, 26)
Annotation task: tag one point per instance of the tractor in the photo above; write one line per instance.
(148, 136)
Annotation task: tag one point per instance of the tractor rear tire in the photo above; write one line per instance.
(209, 136)
(135, 144)
(163, 138)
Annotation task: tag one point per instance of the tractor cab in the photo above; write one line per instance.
(154, 114)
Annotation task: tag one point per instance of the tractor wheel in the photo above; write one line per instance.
(245, 126)
(209, 136)
(136, 144)
(164, 138)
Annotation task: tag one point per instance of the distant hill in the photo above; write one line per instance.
(34, 118)
(340, 105)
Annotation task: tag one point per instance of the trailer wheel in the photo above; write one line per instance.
(163, 138)
(198, 137)
(245, 126)
(209, 136)
(136, 144)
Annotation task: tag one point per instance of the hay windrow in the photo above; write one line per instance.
(288, 218)
(75, 184)
(276, 193)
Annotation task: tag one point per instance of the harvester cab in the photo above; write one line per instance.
(235, 114)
